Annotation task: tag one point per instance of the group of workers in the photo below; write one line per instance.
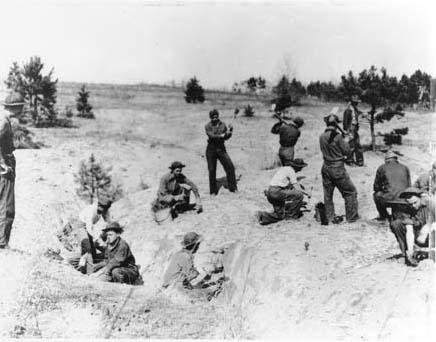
(103, 254)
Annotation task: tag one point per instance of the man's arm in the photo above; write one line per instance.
(343, 145)
(119, 258)
(164, 195)
(4, 128)
(378, 181)
(194, 188)
(276, 128)
(211, 134)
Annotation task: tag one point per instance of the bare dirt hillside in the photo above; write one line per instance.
(342, 287)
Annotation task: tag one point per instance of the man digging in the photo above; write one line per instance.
(285, 194)
(351, 126)
(289, 132)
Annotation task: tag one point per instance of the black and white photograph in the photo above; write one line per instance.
(218, 170)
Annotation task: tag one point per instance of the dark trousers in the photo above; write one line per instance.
(286, 203)
(214, 153)
(286, 154)
(7, 207)
(335, 176)
(124, 275)
(356, 154)
(381, 200)
(399, 230)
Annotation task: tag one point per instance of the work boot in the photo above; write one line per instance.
(411, 261)
(338, 219)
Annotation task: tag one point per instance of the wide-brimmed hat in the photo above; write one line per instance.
(332, 119)
(296, 163)
(191, 238)
(114, 226)
(176, 165)
(411, 191)
(355, 99)
(14, 99)
(390, 155)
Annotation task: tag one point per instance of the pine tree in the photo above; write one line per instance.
(194, 91)
(82, 104)
(38, 90)
(95, 180)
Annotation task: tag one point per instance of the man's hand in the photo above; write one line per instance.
(179, 197)
(5, 169)
(199, 208)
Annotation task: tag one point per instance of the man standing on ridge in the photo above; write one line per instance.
(335, 149)
(289, 133)
(217, 133)
(13, 104)
(351, 126)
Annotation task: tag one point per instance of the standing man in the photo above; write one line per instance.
(335, 150)
(174, 192)
(13, 104)
(285, 194)
(217, 133)
(414, 228)
(351, 126)
(391, 178)
(289, 133)
(427, 181)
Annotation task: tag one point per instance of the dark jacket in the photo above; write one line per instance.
(170, 186)
(333, 146)
(392, 177)
(289, 134)
(119, 255)
(214, 131)
(348, 117)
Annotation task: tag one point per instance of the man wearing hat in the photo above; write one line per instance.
(390, 180)
(414, 228)
(427, 181)
(181, 270)
(217, 134)
(174, 192)
(351, 126)
(289, 132)
(13, 106)
(335, 149)
(119, 265)
(284, 193)
(84, 237)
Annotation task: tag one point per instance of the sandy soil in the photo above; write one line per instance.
(342, 287)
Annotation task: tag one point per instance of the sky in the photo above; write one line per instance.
(134, 41)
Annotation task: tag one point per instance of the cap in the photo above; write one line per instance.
(176, 165)
(113, 226)
(191, 238)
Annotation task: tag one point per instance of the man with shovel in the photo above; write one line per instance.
(289, 132)
(351, 126)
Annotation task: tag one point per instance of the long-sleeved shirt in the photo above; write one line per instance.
(288, 133)
(424, 215)
(423, 182)
(391, 178)
(6, 138)
(119, 254)
(333, 146)
(181, 270)
(170, 186)
(214, 133)
(351, 117)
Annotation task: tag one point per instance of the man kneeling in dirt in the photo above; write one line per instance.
(82, 239)
(414, 228)
(119, 264)
(285, 194)
(174, 192)
(182, 274)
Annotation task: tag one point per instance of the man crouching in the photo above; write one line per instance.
(284, 193)
(119, 263)
(414, 228)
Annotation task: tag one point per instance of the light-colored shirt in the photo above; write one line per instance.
(284, 177)
(94, 222)
(181, 270)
